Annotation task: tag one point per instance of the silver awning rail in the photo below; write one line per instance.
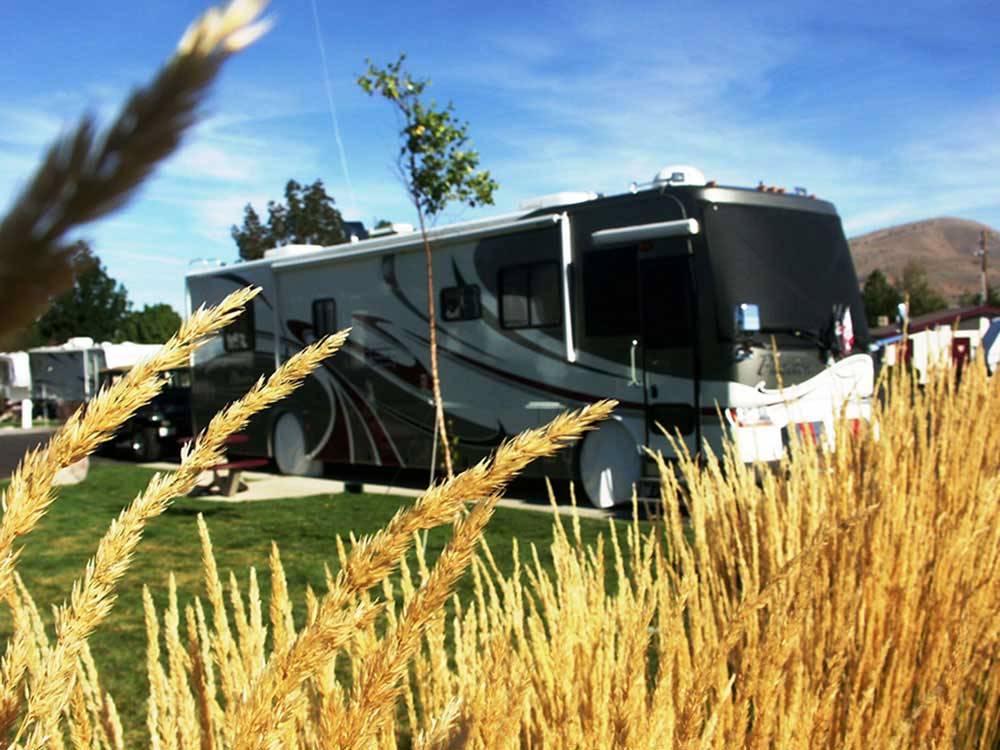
(640, 232)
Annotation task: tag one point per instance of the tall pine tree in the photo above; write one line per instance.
(306, 217)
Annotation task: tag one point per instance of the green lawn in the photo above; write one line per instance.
(241, 533)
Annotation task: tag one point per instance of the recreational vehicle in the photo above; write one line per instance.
(65, 376)
(15, 377)
(667, 298)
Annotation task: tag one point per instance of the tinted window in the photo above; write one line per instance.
(530, 296)
(610, 289)
(179, 379)
(461, 302)
(324, 317)
(545, 298)
(666, 295)
(238, 335)
(612, 280)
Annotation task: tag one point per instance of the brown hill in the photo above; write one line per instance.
(943, 246)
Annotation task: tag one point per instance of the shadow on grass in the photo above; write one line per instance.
(208, 512)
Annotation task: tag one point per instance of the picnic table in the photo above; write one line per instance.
(232, 482)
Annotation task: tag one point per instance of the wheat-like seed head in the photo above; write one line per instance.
(86, 174)
(842, 601)
(225, 30)
(262, 714)
(94, 594)
(379, 682)
(30, 492)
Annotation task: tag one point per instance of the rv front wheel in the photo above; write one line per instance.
(289, 446)
(608, 465)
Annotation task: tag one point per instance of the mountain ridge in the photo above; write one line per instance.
(943, 245)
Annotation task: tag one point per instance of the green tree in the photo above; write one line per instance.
(253, 238)
(307, 217)
(916, 287)
(95, 306)
(880, 297)
(153, 324)
(973, 299)
(437, 167)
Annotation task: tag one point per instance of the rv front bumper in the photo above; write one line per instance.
(765, 421)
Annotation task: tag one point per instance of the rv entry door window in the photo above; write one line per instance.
(627, 296)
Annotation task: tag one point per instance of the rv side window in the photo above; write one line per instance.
(529, 296)
(324, 317)
(461, 302)
(238, 335)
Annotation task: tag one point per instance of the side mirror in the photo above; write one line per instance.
(747, 318)
(901, 312)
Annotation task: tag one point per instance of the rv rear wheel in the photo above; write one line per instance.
(608, 465)
(289, 448)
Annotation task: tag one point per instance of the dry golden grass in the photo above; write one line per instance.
(841, 600)
(844, 600)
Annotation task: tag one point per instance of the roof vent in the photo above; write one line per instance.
(286, 251)
(390, 229)
(556, 199)
(198, 263)
(678, 174)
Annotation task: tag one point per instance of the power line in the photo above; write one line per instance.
(333, 109)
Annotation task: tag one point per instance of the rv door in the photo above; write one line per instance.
(667, 327)
(638, 313)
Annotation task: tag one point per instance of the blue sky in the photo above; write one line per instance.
(892, 112)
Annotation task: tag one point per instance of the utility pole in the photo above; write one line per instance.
(981, 252)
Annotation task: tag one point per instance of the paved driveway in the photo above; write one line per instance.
(15, 442)
(526, 495)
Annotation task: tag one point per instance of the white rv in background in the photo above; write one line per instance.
(127, 353)
(15, 377)
(64, 377)
(666, 298)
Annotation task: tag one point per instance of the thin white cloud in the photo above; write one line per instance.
(205, 160)
(164, 259)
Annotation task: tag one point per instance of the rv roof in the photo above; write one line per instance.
(63, 348)
(507, 222)
(397, 241)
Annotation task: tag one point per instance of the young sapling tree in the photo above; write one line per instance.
(437, 167)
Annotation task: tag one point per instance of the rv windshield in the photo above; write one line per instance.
(795, 265)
